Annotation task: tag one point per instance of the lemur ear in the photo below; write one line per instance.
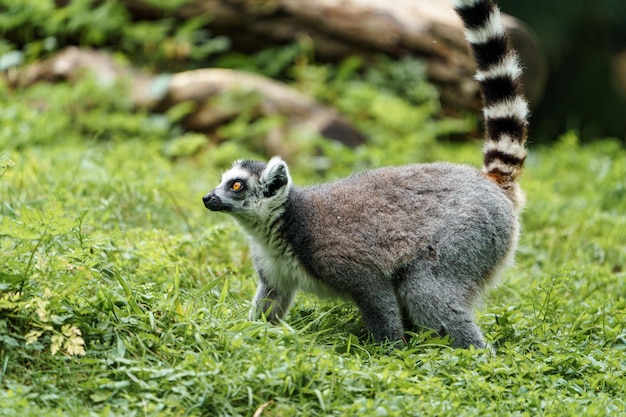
(275, 176)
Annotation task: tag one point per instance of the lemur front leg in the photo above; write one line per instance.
(271, 303)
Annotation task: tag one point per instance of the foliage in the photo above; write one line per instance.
(121, 295)
(42, 116)
(32, 28)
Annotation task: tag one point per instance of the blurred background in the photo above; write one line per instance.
(584, 42)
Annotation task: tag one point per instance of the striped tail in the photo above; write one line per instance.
(504, 106)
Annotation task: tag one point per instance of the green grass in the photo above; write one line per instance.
(120, 294)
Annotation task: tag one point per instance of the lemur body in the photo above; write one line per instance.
(413, 246)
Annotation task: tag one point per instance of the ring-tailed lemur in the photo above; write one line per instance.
(412, 245)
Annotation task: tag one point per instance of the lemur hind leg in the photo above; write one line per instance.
(380, 311)
(441, 305)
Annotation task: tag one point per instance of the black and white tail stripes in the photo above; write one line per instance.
(505, 108)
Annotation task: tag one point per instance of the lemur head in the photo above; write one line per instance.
(251, 189)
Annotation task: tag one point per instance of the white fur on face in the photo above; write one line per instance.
(252, 204)
(235, 172)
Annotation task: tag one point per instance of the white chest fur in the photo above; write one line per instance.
(282, 269)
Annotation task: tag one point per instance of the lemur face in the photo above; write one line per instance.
(230, 195)
(251, 189)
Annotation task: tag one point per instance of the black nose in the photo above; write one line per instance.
(209, 199)
(213, 202)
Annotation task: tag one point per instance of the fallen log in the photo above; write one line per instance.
(201, 88)
(339, 28)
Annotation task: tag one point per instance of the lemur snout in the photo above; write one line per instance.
(212, 202)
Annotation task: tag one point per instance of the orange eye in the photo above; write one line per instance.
(237, 185)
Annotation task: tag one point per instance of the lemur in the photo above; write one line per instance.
(413, 246)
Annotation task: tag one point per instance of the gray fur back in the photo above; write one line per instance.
(448, 216)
